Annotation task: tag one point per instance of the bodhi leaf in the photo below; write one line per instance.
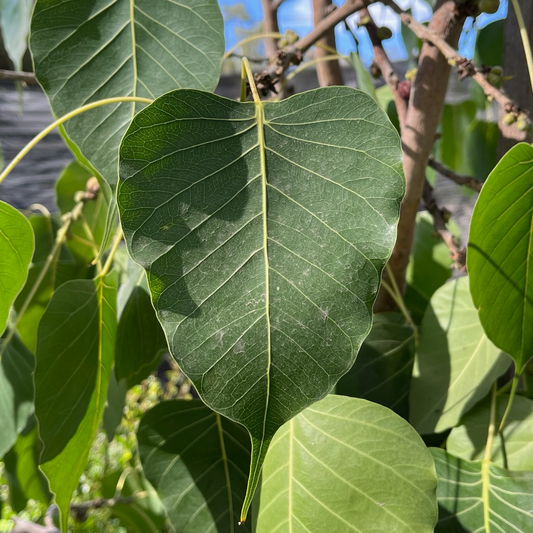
(95, 49)
(383, 368)
(16, 388)
(343, 465)
(500, 254)
(478, 496)
(74, 356)
(263, 257)
(513, 446)
(16, 250)
(455, 363)
(197, 461)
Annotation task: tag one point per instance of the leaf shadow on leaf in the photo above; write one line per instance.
(426, 370)
(184, 206)
(500, 271)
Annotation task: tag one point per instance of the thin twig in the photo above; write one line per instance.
(292, 54)
(387, 70)
(457, 253)
(465, 67)
(13, 75)
(460, 179)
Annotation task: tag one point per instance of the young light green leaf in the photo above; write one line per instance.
(346, 464)
(74, 356)
(95, 49)
(197, 461)
(16, 250)
(15, 23)
(364, 80)
(512, 449)
(383, 368)
(114, 405)
(16, 389)
(23, 476)
(263, 258)
(484, 498)
(500, 254)
(455, 362)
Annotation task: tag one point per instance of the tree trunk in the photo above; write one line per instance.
(418, 135)
(328, 72)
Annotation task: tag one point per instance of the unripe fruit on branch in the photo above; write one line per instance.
(509, 119)
(404, 89)
(384, 33)
(489, 6)
(522, 122)
(494, 76)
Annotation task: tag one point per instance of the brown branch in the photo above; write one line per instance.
(464, 66)
(460, 179)
(13, 75)
(440, 216)
(328, 72)
(426, 102)
(292, 54)
(387, 70)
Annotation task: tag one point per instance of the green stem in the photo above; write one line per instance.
(64, 118)
(243, 82)
(114, 248)
(525, 39)
(396, 294)
(273, 35)
(485, 465)
(312, 62)
(516, 378)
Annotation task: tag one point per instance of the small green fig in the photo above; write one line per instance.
(509, 119)
(384, 33)
(522, 123)
(489, 6)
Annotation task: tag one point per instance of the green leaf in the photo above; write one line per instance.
(197, 462)
(481, 147)
(95, 49)
(382, 370)
(476, 498)
(140, 339)
(451, 149)
(489, 44)
(455, 362)
(74, 357)
(263, 258)
(500, 254)
(16, 250)
(23, 476)
(512, 448)
(347, 464)
(146, 514)
(15, 23)
(114, 406)
(364, 79)
(429, 267)
(86, 233)
(16, 389)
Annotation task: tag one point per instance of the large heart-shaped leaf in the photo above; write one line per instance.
(513, 449)
(264, 229)
(197, 461)
(16, 388)
(500, 254)
(74, 356)
(481, 497)
(455, 362)
(16, 250)
(347, 464)
(89, 50)
(382, 371)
